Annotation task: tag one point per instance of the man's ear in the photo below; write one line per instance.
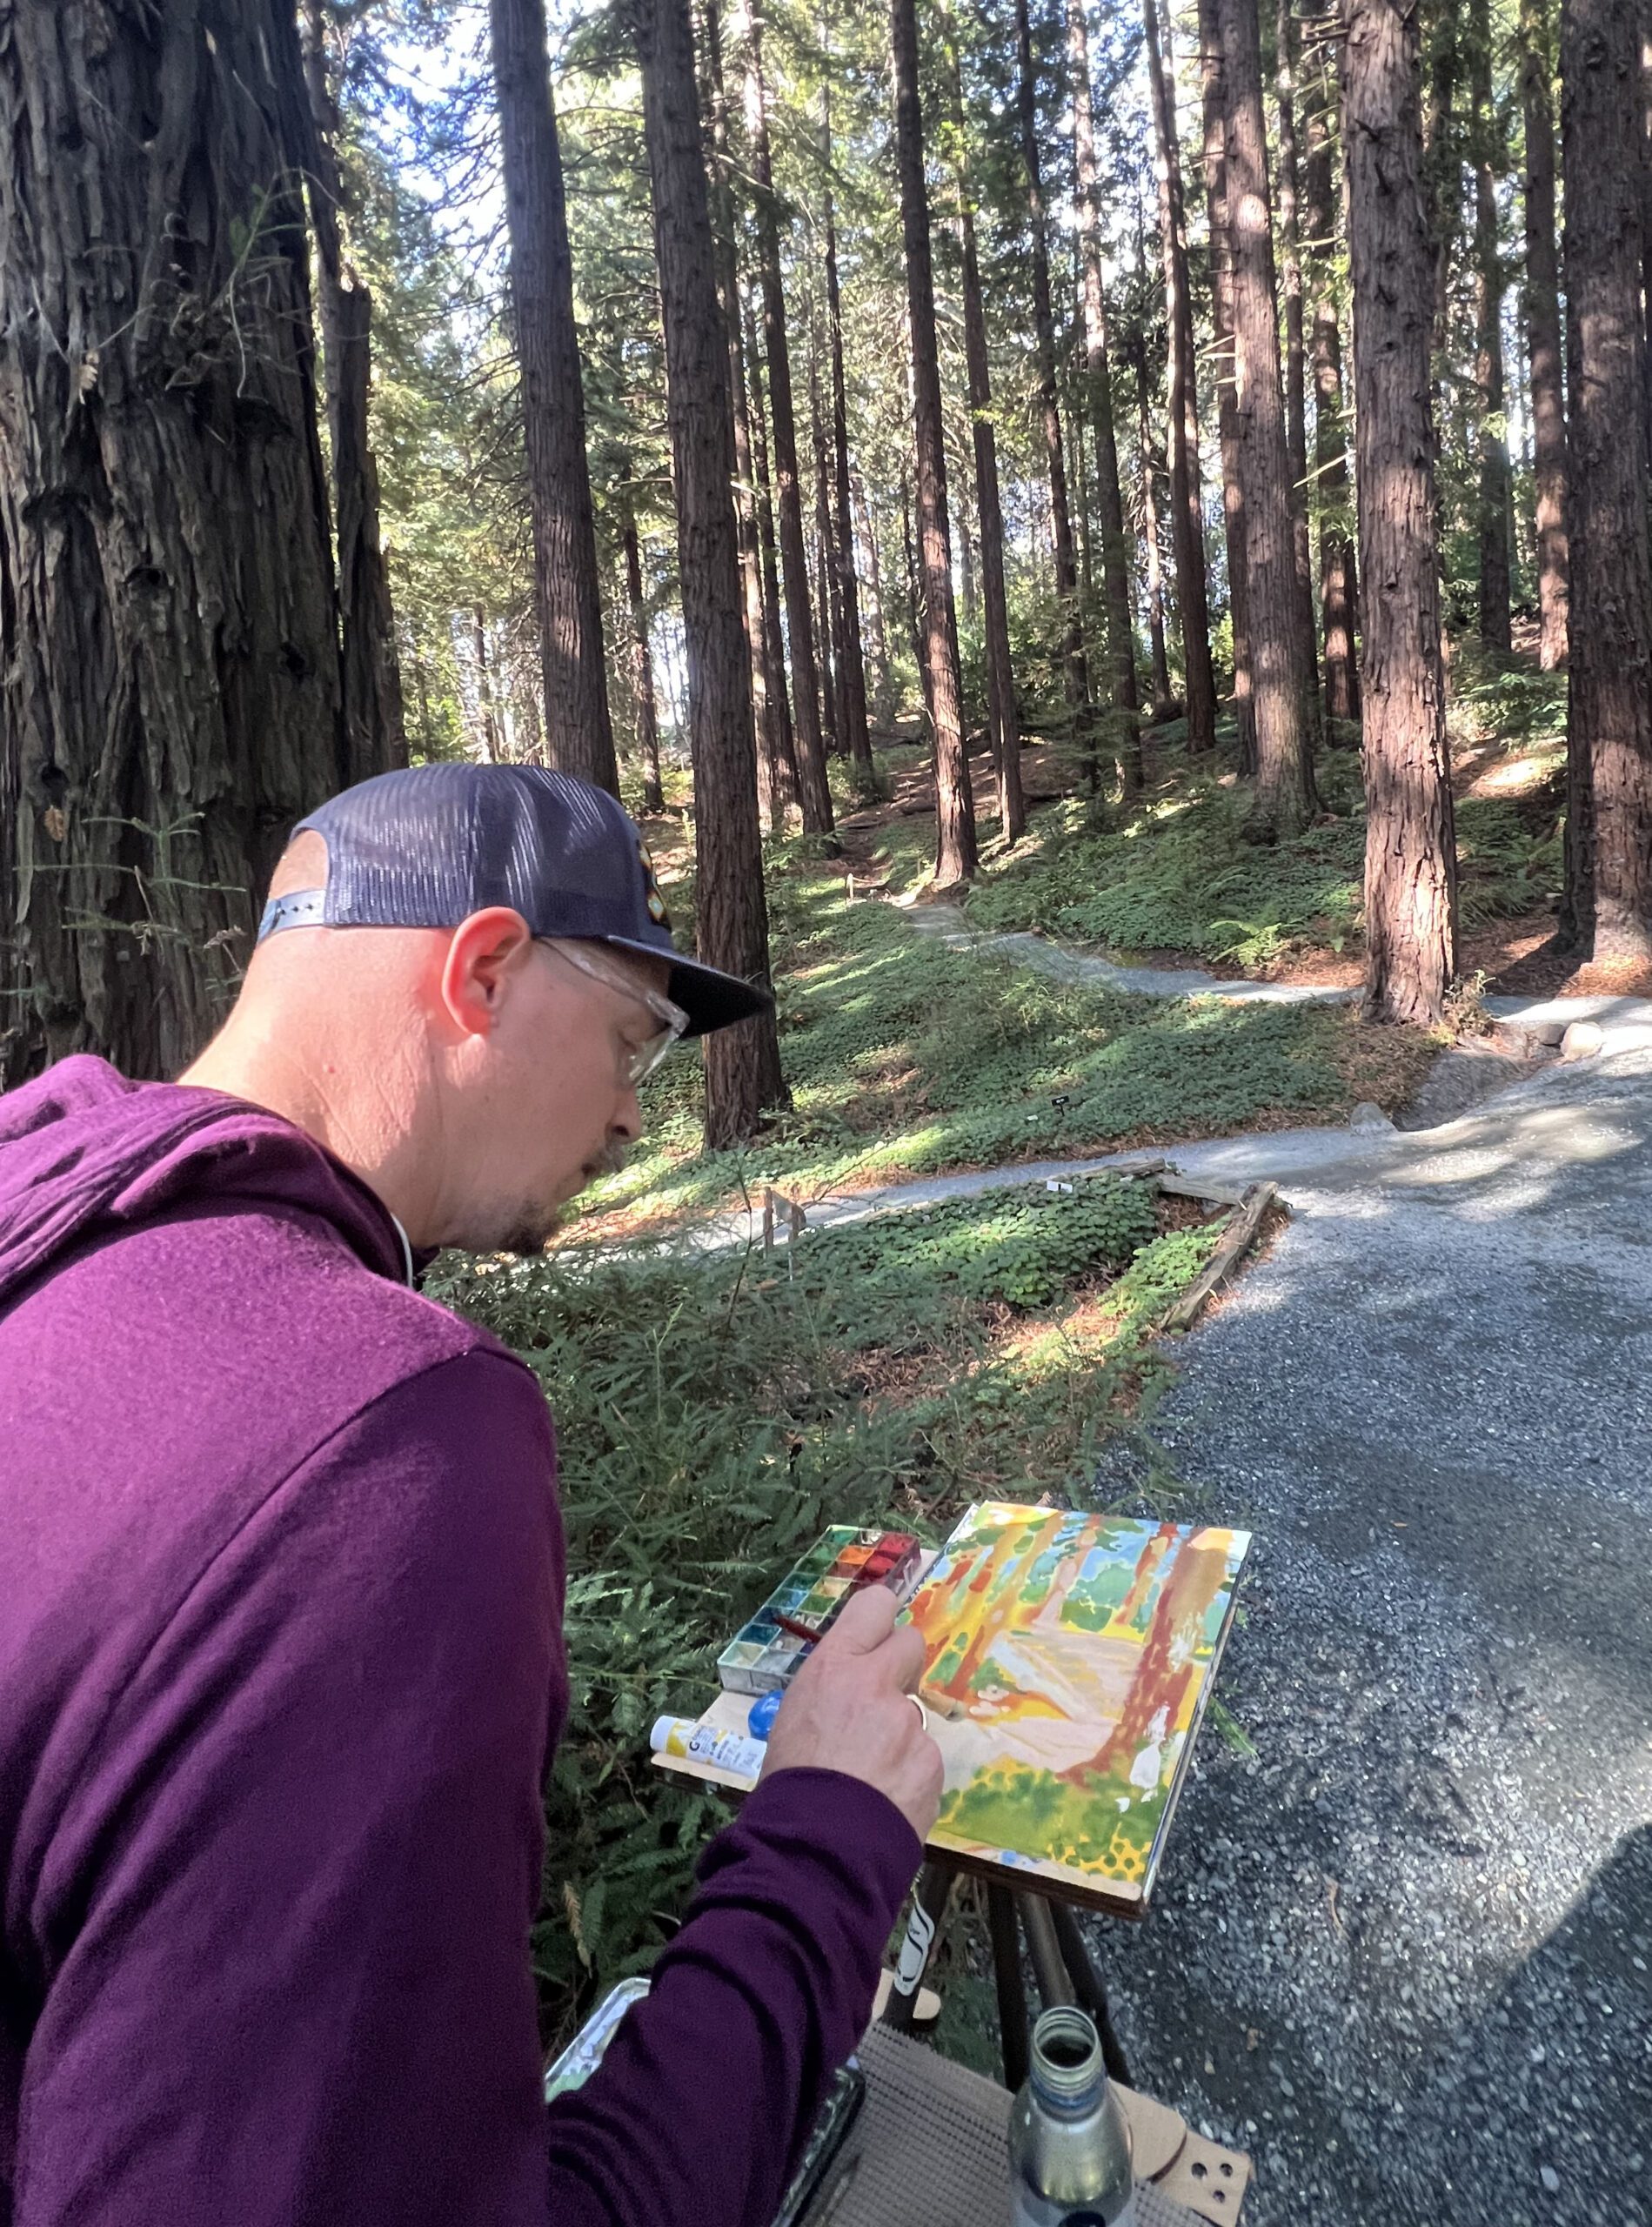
(485, 952)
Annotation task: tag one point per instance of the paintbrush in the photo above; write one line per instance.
(940, 1705)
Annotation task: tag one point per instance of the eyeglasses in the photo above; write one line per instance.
(641, 1060)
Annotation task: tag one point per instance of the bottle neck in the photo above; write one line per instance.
(1067, 2073)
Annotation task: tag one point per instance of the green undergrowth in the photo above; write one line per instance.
(907, 1058)
(714, 1413)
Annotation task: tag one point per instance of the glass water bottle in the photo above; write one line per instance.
(1069, 2143)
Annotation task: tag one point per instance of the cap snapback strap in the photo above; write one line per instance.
(300, 909)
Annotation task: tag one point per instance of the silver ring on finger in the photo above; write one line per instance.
(923, 1713)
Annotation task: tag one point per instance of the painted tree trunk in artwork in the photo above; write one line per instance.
(742, 1064)
(1338, 571)
(1186, 499)
(1608, 725)
(1161, 696)
(776, 764)
(955, 802)
(1169, 1664)
(1066, 569)
(1285, 797)
(1492, 520)
(852, 656)
(1003, 717)
(1290, 286)
(168, 624)
(1115, 556)
(375, 729)
(1543, 332)
(553, 411)
(814, 795)
(642, 660)
(785, 787)
(1214, 80)
(1410, 855)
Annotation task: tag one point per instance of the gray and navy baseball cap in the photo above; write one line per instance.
(427, 847)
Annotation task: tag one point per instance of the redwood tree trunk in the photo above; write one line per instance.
(1543, 332)
(786, 786)
(1186, 500)
(1609, 713)
(877, 634)
(1338, 598)
(1116, 562)
(1284, 798)
(851, 657)
(1003, 718)
(1066, 568)
(1213, 78)
(828, 625)
(955, 802)
(171, 701)
(1161, 697)
(1494, 519)
(642, 662)
(814, 794)
(1296, 398)
(375, 729)
(553, 411)
(742, 1064)
(1411, 858)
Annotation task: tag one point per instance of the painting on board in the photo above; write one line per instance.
(1080, 1650)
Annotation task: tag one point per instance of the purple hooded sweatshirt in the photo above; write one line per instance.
(281, 1669)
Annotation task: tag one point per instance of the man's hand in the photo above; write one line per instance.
(849, 1709)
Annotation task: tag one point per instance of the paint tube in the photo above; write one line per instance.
(702, 1743)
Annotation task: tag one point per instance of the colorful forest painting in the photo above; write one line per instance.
(1081, 1649)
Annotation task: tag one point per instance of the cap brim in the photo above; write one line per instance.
(712, 999)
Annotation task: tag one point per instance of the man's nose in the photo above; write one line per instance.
(627, 1124)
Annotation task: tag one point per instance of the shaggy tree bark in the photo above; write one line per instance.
(553, 411)
(1066, 569)
(1186, 500)
(1543, 332)
(375, 730)
(1493, 522)
(168, 626)
(813, 793)
(1284, 798)
(1115, 561)
(1214, 81)
(642, 660)
(1410, 857)
(1003, 718)
(742, 1064)
(1337, 595)
(1609, 713)
(954, 801)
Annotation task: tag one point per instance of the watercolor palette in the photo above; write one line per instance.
(761, 1657)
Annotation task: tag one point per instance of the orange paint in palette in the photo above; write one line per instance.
(761, 1657)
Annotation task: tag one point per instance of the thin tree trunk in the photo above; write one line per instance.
(1609, 712)
(375, 729)
(954, 801)
(484, 687)
(1115, 559)
(553, 411)
(828, 626)
(1410, 858)
(743, 1063)
(1493, 495)
(1285, 797)
(1337, 572)
(1162, 699)
(1213, 79)
(1066, 571)
(1003, 720)
(776, 765)
(168, 622)
(1187, 498)
(1543, 332)
(785, 786)
(877, 634)
(915, 605)
(814, 794)
(642, 662)
(851, 662)
(1442, 169)
(1296, 398)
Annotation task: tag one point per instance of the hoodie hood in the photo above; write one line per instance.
(84, 1153)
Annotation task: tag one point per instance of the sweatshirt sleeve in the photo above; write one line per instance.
(288, 1905)
(701, 2106)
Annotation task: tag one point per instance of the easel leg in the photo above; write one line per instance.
(1053, 1983)
(1006, 1972)
(1075, 1955)
(928, 1903)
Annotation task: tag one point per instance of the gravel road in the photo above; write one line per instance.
(1402, 1954)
